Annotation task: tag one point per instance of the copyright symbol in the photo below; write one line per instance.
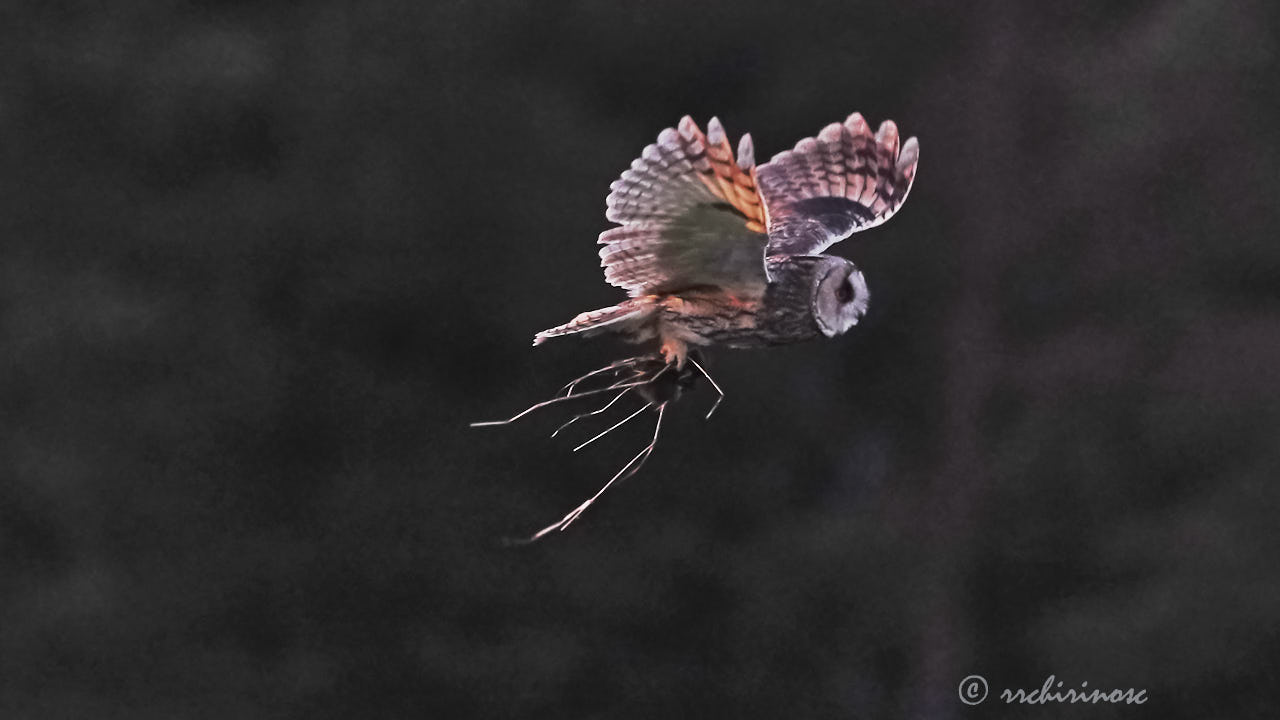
(973, 690)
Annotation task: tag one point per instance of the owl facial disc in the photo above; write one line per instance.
(840, 296)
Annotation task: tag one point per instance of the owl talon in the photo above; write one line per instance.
(674, 352)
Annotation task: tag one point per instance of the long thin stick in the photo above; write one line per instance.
(579, 416)
(613, 427)
(552, 401)
(626, 472)
(614, 366)
(713, 384)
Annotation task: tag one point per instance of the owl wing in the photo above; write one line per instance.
(831, 186)
(690, 216)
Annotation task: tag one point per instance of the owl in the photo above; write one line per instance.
(715, 250)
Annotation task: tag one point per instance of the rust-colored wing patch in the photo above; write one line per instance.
(691, 216)
(735, 182)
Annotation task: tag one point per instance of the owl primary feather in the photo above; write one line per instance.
(715, 250)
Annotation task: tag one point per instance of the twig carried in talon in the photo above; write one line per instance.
(719, 392)
(631, 468)
(597, 411)
(613, 427)
(615, 367)
(553, 401)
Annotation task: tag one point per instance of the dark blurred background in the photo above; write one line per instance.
(263, 262)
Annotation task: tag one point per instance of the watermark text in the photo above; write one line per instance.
(974, 689)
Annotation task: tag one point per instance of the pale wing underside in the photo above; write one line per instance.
(827, 188)
(690, 216)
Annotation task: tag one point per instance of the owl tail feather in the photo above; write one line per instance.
(590, 323)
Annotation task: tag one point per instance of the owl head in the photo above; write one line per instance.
(811, 295)
(840, 295)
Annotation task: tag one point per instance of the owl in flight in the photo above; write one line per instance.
(717, 251)
(714, 249)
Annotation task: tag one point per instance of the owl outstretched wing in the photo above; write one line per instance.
(690, 215)
(829, 187)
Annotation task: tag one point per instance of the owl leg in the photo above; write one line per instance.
(674, 351)
(631, 468)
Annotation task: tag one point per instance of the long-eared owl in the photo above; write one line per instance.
(714, 249)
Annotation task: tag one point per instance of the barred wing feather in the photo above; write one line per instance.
(829, 187)
(690, 216)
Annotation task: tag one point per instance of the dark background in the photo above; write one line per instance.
(262, 263)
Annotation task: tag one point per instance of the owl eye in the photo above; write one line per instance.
(844, 293)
